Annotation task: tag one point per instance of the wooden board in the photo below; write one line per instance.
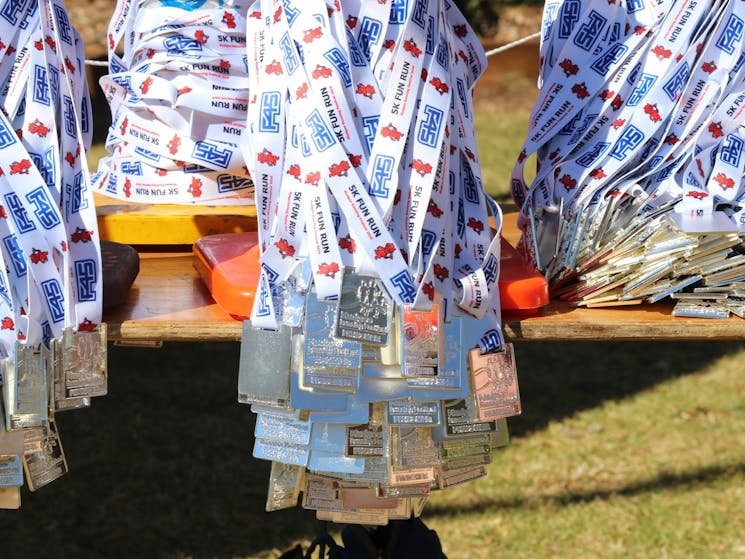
(169, 302)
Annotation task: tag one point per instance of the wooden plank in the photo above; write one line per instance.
(168, 302)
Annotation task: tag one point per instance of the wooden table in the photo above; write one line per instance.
(168, 302)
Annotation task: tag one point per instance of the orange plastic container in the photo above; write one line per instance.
(229, 266)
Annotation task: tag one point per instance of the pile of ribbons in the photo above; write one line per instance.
(638, 133)
(52, 347)
(374, 357)
(178, 96)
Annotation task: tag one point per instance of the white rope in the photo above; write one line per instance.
(491, 52)
(508, 46)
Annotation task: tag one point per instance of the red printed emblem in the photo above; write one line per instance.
(313, 178)
(440, 86)
(145, 85)
(87, 325)
(661, 52)
(329, 270)
(302, 91)
(389, 44)
(20, 167)
(457, 249)
(69, 65)
(429, 290)
(285, 248)
(460, 30)
(201, 37)
(434, 209)
(698, 195)
(724, 181)
(347, 243)
(618, 123)
(81, 235)
(294, 171)
(278, 14)
(366, 89)
(653, 112)
(127, 188)
(411, 47)
(321, 72)
(38, 256)
(568, 182)
(476, 224)
(421, 168)
(580, 90)
(569, 67)
(229, 20)
(39, 128)
(310, 35)
(267, 157)
(355, 160)
(340, 169)
(391, 132)
(351, 22)
(7, 323)
(598, 173)
(716, 130)
(195, 188)
(617, 103)
(709, 67)
(273, 67)
(174, 144)
(671, 139)
(184, 90)
(441, 272)
(385, 251)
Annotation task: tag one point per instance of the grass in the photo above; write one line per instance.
(623, 449)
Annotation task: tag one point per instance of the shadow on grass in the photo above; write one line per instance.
(560, 379)
(666, 481)
(162, 466)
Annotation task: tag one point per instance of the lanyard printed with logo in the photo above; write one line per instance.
(175, 138)
(677, 144)
(566, 90)
(50, 290)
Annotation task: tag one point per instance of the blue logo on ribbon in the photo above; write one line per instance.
(429, 126)
(16, 255)
(270, 108)
(55, 299)
(381, 175)
(590, 31)
(210, 152)
(731, 34)
(86, 277)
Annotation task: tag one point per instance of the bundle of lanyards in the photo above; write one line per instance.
(374, 357)
(639, 140)
(178, 93)
(52, 344)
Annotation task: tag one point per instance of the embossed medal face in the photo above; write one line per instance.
(408, 412)
(83, 362)
(364, 312)
(412, 447)
(264, 370)
(322, 349)
(44, 458)
(26, 397)
(365, 440)
(461, 418)
(421, 341)
(284, 486)
(11, 453)
(329, 363)
(495, 383)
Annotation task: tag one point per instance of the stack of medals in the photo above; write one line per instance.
(639, 139)
(178, 98)
(53, 347)
(374, 357)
